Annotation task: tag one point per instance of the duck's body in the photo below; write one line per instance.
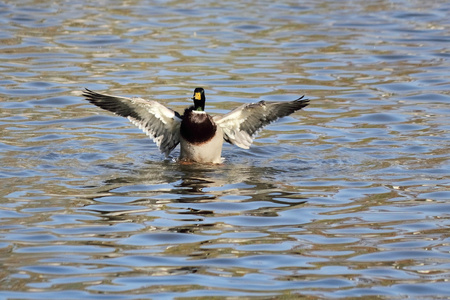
(201, 139)
(200, 135)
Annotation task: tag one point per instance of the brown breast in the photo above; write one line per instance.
(197, 127)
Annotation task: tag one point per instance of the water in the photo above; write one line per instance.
(348, 198)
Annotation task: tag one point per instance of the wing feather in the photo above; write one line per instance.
(240, 125)
(157, 121)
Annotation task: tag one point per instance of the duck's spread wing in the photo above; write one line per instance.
(242, 123)
(157, 121)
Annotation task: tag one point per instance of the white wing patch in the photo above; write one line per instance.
(232, 133)
(165, 140)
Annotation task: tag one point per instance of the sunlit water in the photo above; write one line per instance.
(347, 198)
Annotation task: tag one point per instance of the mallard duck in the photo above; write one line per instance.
(200, 135)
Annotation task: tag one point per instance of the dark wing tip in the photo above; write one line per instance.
(301, 102)
(92, 96)
(87, 92)
(282, 109)
(118, 105)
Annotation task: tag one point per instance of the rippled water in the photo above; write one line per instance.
(348, 198)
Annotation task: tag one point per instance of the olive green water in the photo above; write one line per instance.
(348, 198)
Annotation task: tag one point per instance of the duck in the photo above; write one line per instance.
(200, 135)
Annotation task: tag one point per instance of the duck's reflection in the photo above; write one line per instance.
(160, 185)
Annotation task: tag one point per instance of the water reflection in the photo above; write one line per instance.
(154, 185)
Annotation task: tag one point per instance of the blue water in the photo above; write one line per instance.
(348, 198)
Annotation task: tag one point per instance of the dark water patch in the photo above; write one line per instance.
(55, 101)
(428, 98)
(376, 118)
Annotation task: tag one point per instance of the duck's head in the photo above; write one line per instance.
(199, 99)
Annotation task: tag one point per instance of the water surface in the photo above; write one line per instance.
(345, 199)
